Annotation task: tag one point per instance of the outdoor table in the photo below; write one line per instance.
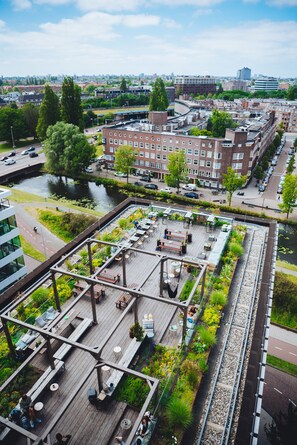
(140, 232)
(126, 424)
(134, 238)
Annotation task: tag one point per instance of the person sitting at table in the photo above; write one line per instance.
(192, 311)
(27, 408)
(62, 440)
(137, 225)
(143, 428)
(120, 440)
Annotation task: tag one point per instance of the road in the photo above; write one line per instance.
(22, 161)
(283, 344)
(279, 389)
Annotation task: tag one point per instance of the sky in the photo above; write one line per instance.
(194, 37)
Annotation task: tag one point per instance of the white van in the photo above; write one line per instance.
(191, 187)
(274, 161)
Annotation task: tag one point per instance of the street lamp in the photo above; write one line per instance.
(13, 144)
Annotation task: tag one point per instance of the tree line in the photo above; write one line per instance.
(289, 94)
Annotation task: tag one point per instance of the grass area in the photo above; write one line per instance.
(21, 197)
(282, 365)
(287, 319)
(52, 220)
(286, 265)
(18, 144)
(31, 251)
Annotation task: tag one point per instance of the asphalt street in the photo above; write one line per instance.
(283, 344)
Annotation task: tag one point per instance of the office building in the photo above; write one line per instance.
(244, 74)
(193, 85)
(266, 84)
(12, 265)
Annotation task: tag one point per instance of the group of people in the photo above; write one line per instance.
(142, 431)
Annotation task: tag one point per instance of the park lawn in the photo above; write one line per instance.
(28, 249)
(286, 319)
(52, 219)
(286, 265)
(282, 365)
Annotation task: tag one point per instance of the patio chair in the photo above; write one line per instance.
(50, 313)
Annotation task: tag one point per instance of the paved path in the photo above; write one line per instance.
(287, 271)
(283, 344)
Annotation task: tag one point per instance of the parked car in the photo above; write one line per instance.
(145, 178)
(279, 190)
(9, 161)
(12, 153)
(89, 170)
(151, 186)
(120, 174)
(166, 190)
(30, 149)
(138, 184)
(262, 188)
(3, 158)
(33, 154)
(192, 195)
(240, 193)
(24, 152)
(189, 187)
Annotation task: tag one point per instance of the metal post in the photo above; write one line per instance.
(124, 267)
(56, 295)
(12, 137)
(50, 352)
(136, 311)
(185, 323)
(203, 283)
(100, 379)
(161, 277)
(93, 302)
(8, 337)
(90, 258)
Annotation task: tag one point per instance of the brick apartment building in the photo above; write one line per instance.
(207, 158)
(195, 85)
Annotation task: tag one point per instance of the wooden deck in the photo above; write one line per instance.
(85, 422)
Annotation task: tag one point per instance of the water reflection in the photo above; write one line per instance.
(287, 243)
(104, 199)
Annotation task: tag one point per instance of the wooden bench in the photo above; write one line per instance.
(99, 292)
(177, 236)
(170, 247)
(75, 336)
(125, 361)
(123, 300)
(114, 279)
(38, 388)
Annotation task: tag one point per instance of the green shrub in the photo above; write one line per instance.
(133, 391)
(188, 286)
(206, 336)
(178, 414)
(236, 249)
(39, 296)
(202, 365)
(218, 297)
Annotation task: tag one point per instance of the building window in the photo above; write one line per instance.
(141, 163)
(170, 149)
(147, 146)
(237, 165)
(152, 155)
(196, 152)
(195, 162)
(209, 154)
(190, 143)
(202, 163)
(164, 148)
(146, 154)
(201, 172)
(217, 165)
(237, 156)
(147, 164)
(140, 144)
(158, 147)
(164, 157)
(195, 172)
(208, 163)
(189, 161)
(135, 144)
(208, 174)
(115, 141)
(140, 137)
(152, 164)
(158, 156)
(111, 141)
(203, 144)
(131, 143)
(141, 154)
(111, 149)
(158, 165)
(189, 171)
(202, 152)
(218, 155)
(153, 147)
(189, 151)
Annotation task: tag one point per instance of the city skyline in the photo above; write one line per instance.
(199, 37)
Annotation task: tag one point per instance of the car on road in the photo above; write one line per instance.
(33, 154)
(262, 187)
(24, 152)
(151, 186)
(279, 190)
(192, 195)
(191, 187)
(120, 174)
(145, 178)
(12, 153)
(240, 193)
(166, 190)
(9, 161)
(89, 170)
(3, 158)
(30, 149)
(139, 184)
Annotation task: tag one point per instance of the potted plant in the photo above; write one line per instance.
(136, 331)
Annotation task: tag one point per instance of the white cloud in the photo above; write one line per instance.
(105, 5)
(195, 3)
(283, 2)
(2, 24)
(19, 5)
(170, 23)
(52, 2)
(139, 20)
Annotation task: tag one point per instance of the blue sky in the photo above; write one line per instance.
(215, 37)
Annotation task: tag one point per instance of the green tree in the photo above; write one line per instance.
(289, 194)
(292, 92)
(232, 181)
(195, 131)
(11, 122)
(30, 113)
(71, 109)
(177, 167)
(295, 143)
(123, 85)
(49, 112)
(158, 98)
(125, 158)
(258, 172)
(291, 165)
(67, 150)
(219, 122)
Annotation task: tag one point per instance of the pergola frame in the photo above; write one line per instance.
(96, 351)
